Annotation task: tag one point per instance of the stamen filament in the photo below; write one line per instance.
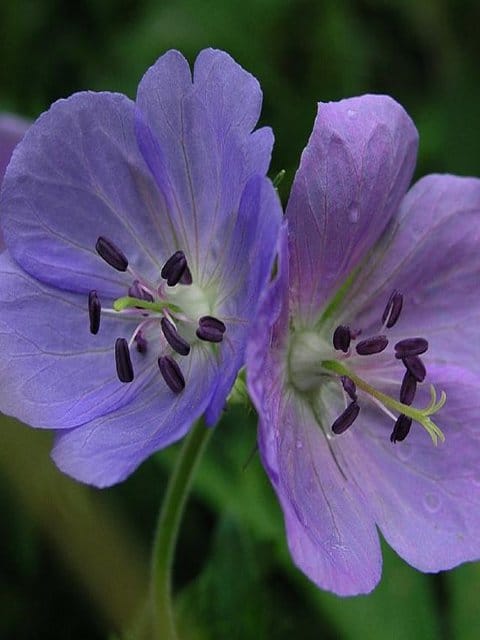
(422, 416)
(128, 302)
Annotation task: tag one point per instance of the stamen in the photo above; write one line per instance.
(94, 311)
(210, 329)
(341, 338)
(346, 419)
(173, 338)
(186, 277)
(408, 388)
(393, 309)
(410, 347)
(136, 291)
(171, 373)
(416, 367)
(174, 268)
(349, 386)
(111, 254)
(376, 344)
(123, 361)
(401, 428)
(140, 342)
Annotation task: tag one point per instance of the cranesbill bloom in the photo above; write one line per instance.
(372, 319)
(139, 236)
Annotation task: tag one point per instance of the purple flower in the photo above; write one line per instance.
(12, 130)
(376, 300)
(139, 236)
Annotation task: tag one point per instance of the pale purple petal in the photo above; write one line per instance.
(431, 254)
(107, 449)
(426, 499)
(76, 175)
(353, 174)
(243, 270)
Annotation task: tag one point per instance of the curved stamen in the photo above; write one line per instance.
(393, 309)
(401, 428)
(137, 291)
(349, 387)
(186, 277)
(416, 367)
(173, 338)
(94, 311)
(112, 255)
(369, 346)
(342, 338)
(346, 419)
(171, 373)
(408, 388)
(174, 268)
(410, 347)
(210, 329)
(123, 361)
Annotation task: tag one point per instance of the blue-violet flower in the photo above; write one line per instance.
(139, 236)
(371, 320)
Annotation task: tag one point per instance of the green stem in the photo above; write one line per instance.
(167, 531)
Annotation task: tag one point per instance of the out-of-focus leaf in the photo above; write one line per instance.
(464, 586)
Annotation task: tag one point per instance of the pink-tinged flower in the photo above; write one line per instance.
(139, 236)
(372, 319)
(12, 130)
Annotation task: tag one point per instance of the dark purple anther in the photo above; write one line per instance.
(350, 387)
(94, 311)
(186, 277)
(173, 338)
(341, 338)
(408, 388)
(346, 419)
(141, 343)
(376, 344)
(210, 329)
(123, 361)
(174, 268)
(410, 347)
(401, 428)
(416, 367)
(111, 254)
(136, 291)
(171, 373)
(393, 309)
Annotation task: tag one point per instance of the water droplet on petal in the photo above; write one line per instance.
(432, 502)
(299, 444)
(351, 113)
(353, 214)
(404, 453)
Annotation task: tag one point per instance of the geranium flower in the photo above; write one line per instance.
(371, 321)
(139, 237)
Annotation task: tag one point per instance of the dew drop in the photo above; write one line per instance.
(299, 444)
(353, 214)
(351, 113)
(431, 502)
(404, 452)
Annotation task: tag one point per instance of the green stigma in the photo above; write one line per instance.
(128, 302)
(422, 416)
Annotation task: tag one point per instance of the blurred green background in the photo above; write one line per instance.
(74, 560)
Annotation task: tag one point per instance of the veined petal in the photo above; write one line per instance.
(78, 175)
(430, 254)
(109, 448)
(353, 174)
(426, 499)
(244, 268)
(196, 137)
(53, 372)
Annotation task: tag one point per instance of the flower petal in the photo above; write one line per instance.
(244, 268)
(106, 450)
(426, 499)
(53, 372)
(196, 139)
(430, 254)
(76, 175)
(353, 174)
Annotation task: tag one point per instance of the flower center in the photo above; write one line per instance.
(312, 362)
(170, 315)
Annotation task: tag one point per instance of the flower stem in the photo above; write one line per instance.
(167, 531)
